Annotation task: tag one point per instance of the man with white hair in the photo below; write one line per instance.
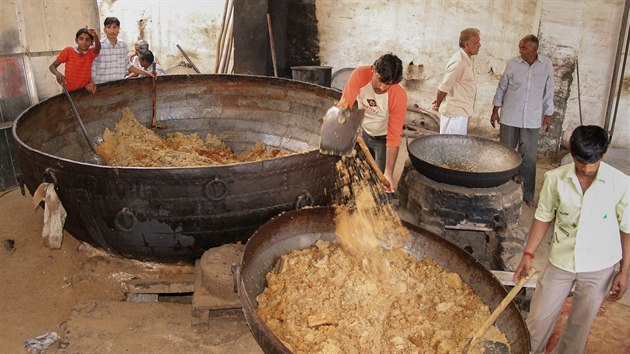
(456, 94)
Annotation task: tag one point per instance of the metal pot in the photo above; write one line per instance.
(300, 229)
(464, 160)
(175, 214)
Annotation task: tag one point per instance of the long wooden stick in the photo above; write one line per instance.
(371, 161)
(220, 39)
(227, 45)
(188, 59)
(273, 47)
(229, 51)
(154, 96)
(495, 314)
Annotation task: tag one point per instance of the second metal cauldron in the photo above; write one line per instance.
(175, 214)
(464, 160)
(300, 229)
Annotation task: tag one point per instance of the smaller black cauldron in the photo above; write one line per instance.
(464, 160)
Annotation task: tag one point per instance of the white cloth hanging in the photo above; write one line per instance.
(54, 214)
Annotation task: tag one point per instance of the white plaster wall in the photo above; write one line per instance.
(593, 34)
(354, 33)
(193, 24)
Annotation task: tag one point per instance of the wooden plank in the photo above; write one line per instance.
(507, 278)
(178, 285)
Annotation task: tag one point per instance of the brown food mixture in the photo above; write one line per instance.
(325, 300)
(366, 294)
(132, 144)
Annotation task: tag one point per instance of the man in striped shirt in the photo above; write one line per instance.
(113, 62)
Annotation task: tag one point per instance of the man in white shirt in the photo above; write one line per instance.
(456, 94)
(589, 201)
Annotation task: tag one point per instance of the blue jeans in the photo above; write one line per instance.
(377, 147)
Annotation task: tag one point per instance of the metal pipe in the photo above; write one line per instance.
(615, 78)
(623, 70)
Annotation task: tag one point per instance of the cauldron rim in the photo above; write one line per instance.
(198, 77)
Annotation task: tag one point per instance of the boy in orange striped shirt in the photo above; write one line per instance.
(78, 61)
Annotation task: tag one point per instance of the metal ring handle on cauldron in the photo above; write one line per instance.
(214, 186)
(303, 200)
(236, 275)
(50, 175)
(125, 212)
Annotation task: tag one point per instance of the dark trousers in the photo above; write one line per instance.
(377, 147)
(527, 142)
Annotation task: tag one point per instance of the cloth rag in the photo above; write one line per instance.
(38, 345)
(54, 214)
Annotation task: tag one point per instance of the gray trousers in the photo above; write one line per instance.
(527, 142)
(378, 148)
(552, 289)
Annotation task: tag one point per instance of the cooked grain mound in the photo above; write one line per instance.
(132, 144)
(325, 300)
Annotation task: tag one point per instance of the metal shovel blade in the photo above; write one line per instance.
(339, 131)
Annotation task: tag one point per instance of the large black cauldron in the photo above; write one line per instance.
(175, 214)
(300, 229)
(464, 160)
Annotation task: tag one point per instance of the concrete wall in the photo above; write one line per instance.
(42, 29)
(354, 33)
(425, 32)
(194, 25)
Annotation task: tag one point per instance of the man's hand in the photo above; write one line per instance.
(495, 118)
(546, 124)
(618, 287)
(61, 79)
(434, 106)
(92, 32)
(343, 104)
(522, 269)
(389, 187)
(91, 86)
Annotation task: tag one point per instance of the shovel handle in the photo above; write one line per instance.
(506, 301)
(371, 161)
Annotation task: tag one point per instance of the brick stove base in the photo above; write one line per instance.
(482, 221)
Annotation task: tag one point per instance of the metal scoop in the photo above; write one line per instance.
(94, 157)
(339, 131)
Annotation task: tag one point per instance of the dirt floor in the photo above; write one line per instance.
(76, 292)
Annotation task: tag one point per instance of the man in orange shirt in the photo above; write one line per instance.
(376, 89)
(78, 61)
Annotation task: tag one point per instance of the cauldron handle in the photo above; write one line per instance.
(236, 272)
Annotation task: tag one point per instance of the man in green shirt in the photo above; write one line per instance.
(589, 201)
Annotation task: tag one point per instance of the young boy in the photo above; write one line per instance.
(113, 62)
(78, 61)
(589, 201)
(147, 61)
